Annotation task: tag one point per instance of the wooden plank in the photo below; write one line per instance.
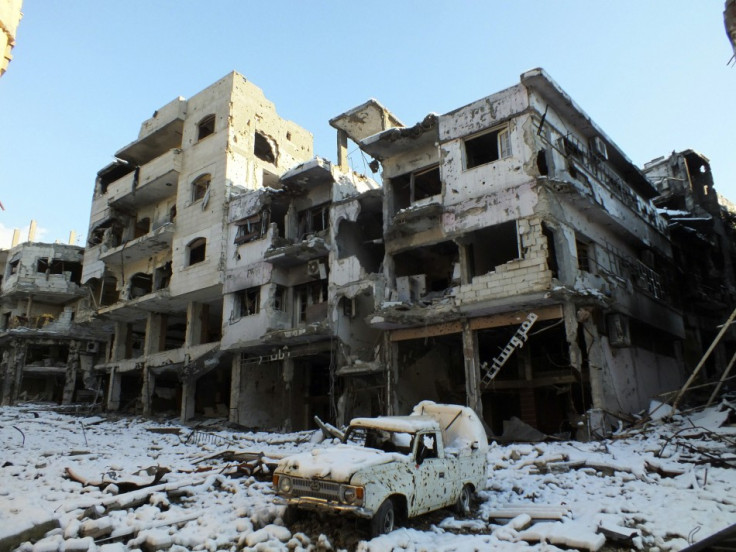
(550, 312)
(444, 328)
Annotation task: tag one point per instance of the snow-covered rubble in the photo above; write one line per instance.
(663, 485)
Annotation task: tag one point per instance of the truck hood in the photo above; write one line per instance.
(338, 463)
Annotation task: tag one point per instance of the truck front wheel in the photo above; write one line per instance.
(384, 520)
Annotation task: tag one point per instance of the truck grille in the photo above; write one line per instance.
(315, 488)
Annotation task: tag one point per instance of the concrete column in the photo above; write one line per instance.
(235, 379)
(113, 390)
(188, 392)
(197, 322)
(155, 334)
(7, 365)
(342, 149)
(149, 384)
(392, 376)
(465, 269)
(596, 364)
(120, 342)
(291, 408)
(472, 370)
(72, 366)
(20, 362)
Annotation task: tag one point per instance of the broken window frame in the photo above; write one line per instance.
(475, 152)
(247, 302)
(200, 186)
(307, 217)
(585, 254)
(252, 228)
(196, 251)
(13, 267)
(206, 126)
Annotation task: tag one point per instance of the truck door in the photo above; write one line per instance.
(432, 486)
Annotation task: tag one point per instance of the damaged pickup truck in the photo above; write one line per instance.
(390, 468)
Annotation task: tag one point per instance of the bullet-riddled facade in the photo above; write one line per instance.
(157, 246)
(512, 259)
(518, 210)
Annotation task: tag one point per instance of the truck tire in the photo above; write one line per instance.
(462, 506)
(384, 520)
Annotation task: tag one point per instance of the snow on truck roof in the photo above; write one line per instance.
(403, 424)
(460, 425)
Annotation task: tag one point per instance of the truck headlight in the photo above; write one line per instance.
(351, 495)
(285, 484)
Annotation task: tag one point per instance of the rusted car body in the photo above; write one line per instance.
(391, 467)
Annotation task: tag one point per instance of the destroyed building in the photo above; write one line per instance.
(157, 248)
(10, 16)
(517, 209)
(702, 233)
(512, 260)
(293, 300)
(45, 354)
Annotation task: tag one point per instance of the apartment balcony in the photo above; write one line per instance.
(55, 289)
(145, 246)
(154, 181)
(158, 134)
(287, 253)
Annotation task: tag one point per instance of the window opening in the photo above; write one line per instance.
(415, 186)
(162, 276)
(279, 299)
(252, 228)
(206, 127)
(248, 301)
(140, 284)
(200, 186)
(197, 251)
(142, 227)
(583, 250)
(262, 148)
(314, 220)
(487, 148)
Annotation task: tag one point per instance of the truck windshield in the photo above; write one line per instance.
(380, 439)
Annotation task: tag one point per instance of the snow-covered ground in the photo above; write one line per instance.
(665, 483)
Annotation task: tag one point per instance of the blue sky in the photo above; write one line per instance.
(653, 74)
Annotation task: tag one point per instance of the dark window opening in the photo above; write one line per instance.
(200, 186)
(197, 249)
(175, 333)
(172, 213)
(492, 247)
(57, 266)
(142, 227)
(14, 267)
(487, 148)
(109, 293)
(112, 173)
(162, 276)
(439, 263)
(108, 233)
(360, 239)
(549, 234)
(262, 148)
(415, 186)
(248, 302)
(252, 228)
(426, 183)
(583, 250)
(311, 301)
(140, 284)
(314, 220)
(42, 265)
(542, 163)
(279, 299)
(205, 127)
(277, 215)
